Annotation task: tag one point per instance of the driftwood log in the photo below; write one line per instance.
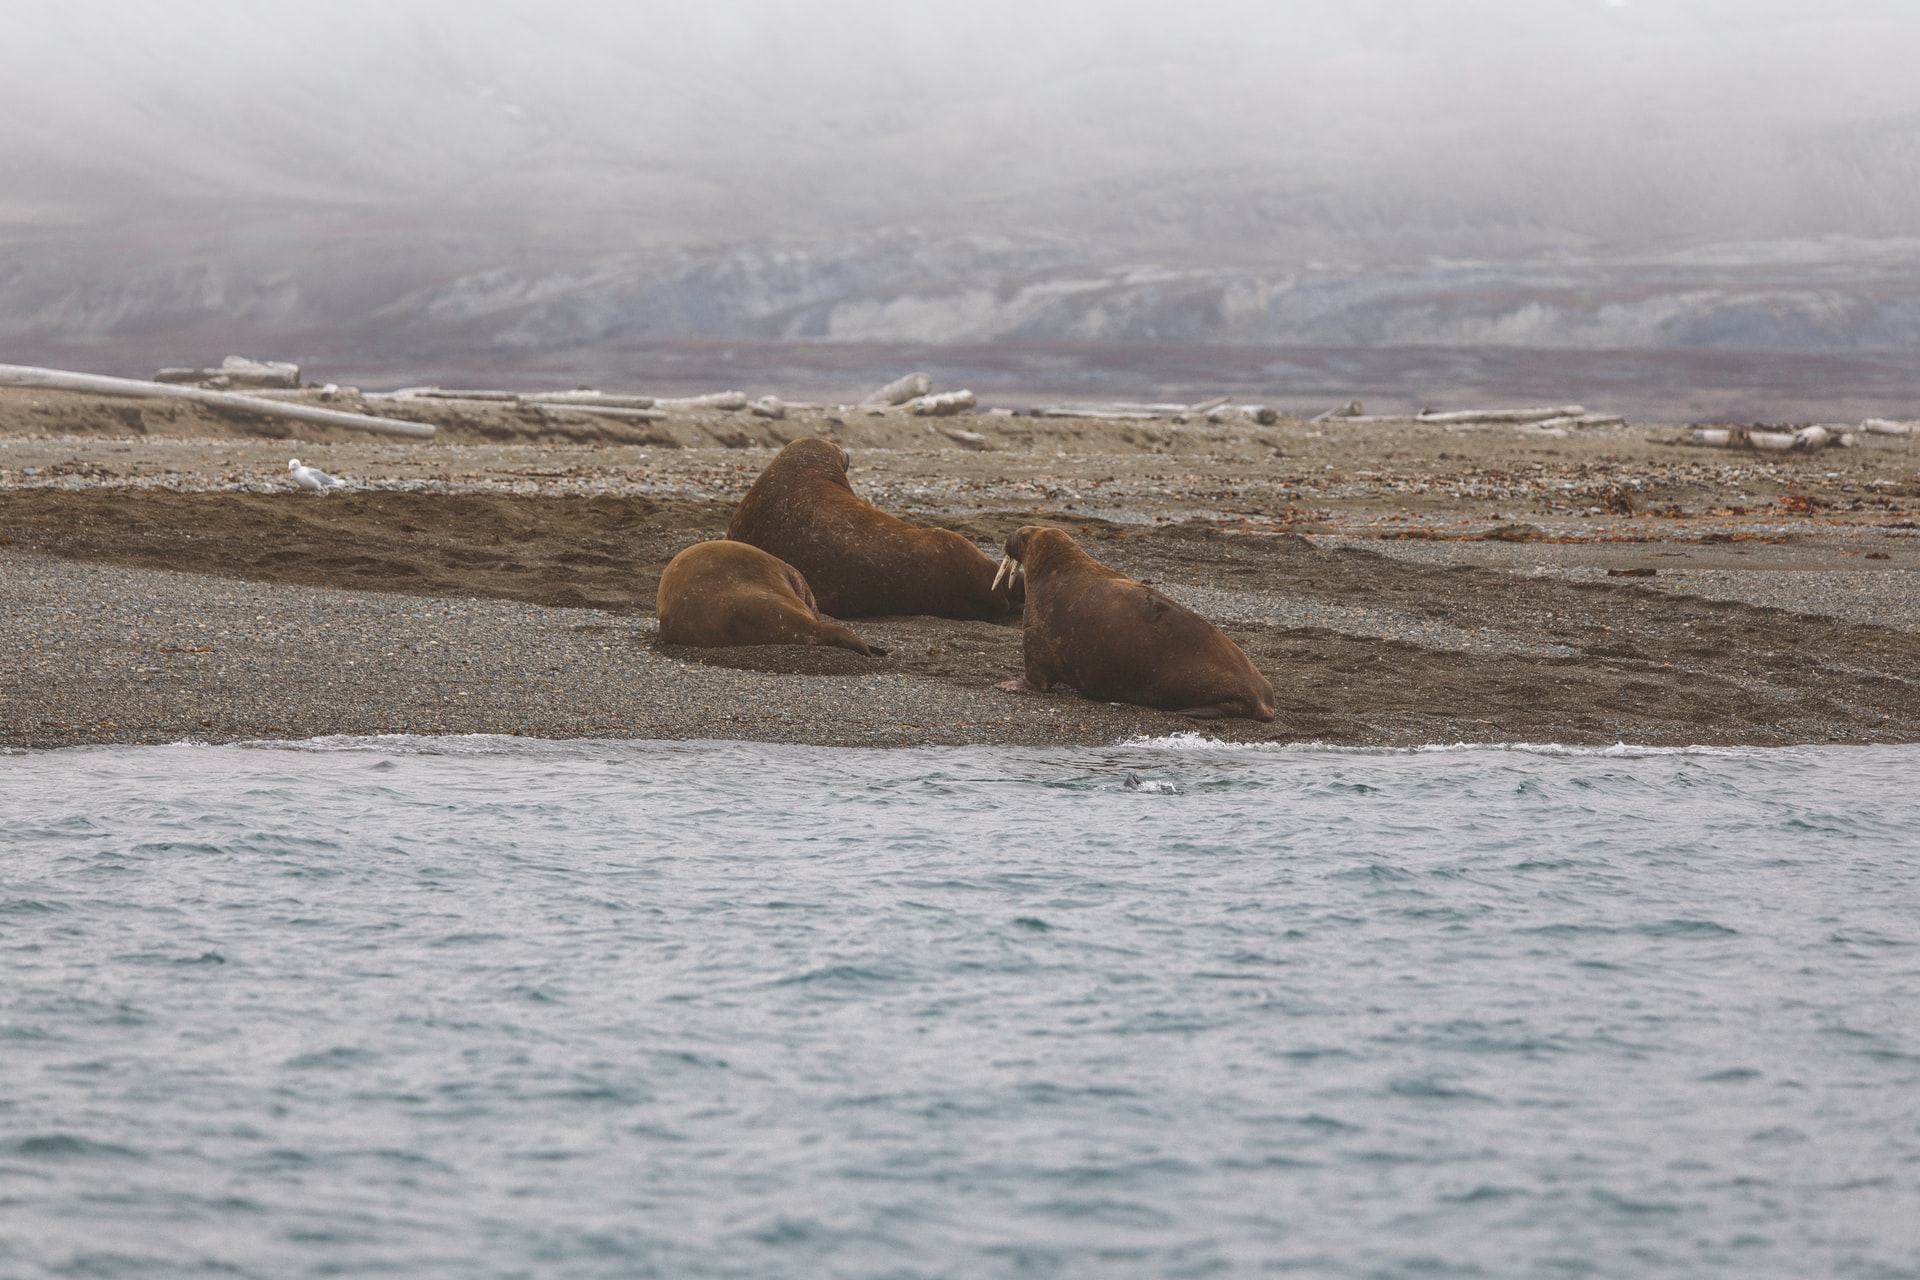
(971, 439)
(237, 371)
(1560, 417)
(715, 400)
(597, 398)
(569, 399)
(1351, 409)
(1260, 413)
(597, 410)
(910, 387)
(1503, 415)
(1581, 420)
(1806, 438)
(943, 405)
(1093, 411)
(1133, 410)
(438, 393)
(18, 375)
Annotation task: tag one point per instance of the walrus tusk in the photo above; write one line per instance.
(1004, 573)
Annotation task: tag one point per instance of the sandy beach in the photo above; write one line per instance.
(1401, 583)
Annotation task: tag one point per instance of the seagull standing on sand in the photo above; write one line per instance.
(312, 478)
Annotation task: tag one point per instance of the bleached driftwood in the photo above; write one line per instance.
(1503, 415)
(598, 410)
(1558, 419)
(1806, 438)
(1133, 410)
(1351, 409)
(1259, 413)
(1549, 418)
(16, 375)
(910, 387)
(1165, 410)
(1092, 411)
(971, 439)
(568, 398)
(1560, 428)
(1888, 427)
(942, 405)
(600, 398)
(769, 407)
(714, 400)
(438, 393)
(242, 372)
(237, 371)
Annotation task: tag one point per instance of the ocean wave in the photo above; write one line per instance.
(424, 744)
(1191, 741)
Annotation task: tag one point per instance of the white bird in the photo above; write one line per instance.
(312, 478)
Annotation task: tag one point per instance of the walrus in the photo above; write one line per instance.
(860, 560)
(1118, 640)
(718, 594)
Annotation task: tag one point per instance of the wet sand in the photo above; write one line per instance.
(1400, 583)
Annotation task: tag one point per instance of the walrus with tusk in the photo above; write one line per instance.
(1118, 640)
(722, 594)
(859, 560)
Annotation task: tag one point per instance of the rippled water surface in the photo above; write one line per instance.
(481, 1007)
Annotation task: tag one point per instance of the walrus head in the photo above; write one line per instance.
(1032, 546)
(1012, 568)
(816, 457)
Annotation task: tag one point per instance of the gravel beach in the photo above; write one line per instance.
(1401, 583)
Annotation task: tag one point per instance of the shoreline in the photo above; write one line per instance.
(1401, 586)
(1196, 740)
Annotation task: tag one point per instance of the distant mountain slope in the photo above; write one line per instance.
(426, 178)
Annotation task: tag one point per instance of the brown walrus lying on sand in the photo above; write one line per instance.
(1119, 640)
(720, 594)
(859, 560)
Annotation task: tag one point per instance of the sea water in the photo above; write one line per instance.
(489, 1007)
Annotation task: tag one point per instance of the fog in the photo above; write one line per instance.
(502, 176)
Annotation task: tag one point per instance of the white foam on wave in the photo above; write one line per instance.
(1191, 741)
(497, 744)
(416, 744)
(1618, 751)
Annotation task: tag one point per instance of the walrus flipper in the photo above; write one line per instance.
(841, 638)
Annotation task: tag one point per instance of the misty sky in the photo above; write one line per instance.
(859, 106)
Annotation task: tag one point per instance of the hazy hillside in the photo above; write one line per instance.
(427, 180)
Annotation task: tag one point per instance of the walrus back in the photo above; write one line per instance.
(1118, 640)
(724, 594)
(860, 561)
